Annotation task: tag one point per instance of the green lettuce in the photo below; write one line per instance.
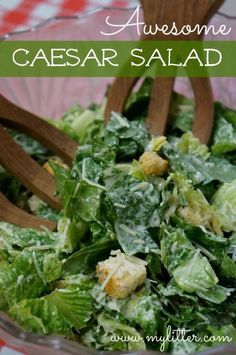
(29, 276)
(15, 237)
(87, 257)
(198, 169)
(224, 201)
(190, 144)
(128, 138)
(111, 329)
(56, 313)
(191, 271)
(224, 133)
(143, 310)
(82, 125)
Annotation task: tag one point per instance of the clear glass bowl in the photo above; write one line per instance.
(51, 97)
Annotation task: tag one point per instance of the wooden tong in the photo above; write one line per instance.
(160, 12)
(24, 168)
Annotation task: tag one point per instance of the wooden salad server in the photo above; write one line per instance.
(24, 168)
(160, 12)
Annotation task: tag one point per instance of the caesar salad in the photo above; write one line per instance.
(146, 238)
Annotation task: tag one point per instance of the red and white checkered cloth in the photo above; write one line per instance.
(22, 14)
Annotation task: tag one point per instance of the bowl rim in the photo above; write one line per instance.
(79, 16)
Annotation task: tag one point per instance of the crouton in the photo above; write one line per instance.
(153, 164)
(121, 274)
(57, 161)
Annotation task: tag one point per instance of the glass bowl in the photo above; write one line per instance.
(50, 98)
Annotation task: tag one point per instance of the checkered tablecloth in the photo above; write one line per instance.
(21, 14)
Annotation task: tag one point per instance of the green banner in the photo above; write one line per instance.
(117, 58)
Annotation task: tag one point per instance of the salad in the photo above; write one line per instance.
(146, 239)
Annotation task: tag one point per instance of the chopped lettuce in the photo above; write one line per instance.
(144, 310)
(82, 125)
(195, 274)
(191, 271)
(190, 144)
(224, 334)
(198, 169)
(29, 276)
(112, 332)
(224, 201)
(181, 113)
(129, 138)
(87, 257)
(224, 135)
(224, 139)
(57, 313)
(15, 237)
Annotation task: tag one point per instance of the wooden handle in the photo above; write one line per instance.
(190, 12)
(17, 118)
(204, 109)
(26, 170)
(118, 95)
(182, 12)
(13, 214)
(159, 105)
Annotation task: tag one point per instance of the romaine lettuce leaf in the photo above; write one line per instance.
(98, 150)
(134, 240)
(70, 233)
(65, 184)
(88, 201)
(216, 294)
(12, 236)
(133, 207)
(3, 270)
(52, 267)
(223, 334)
(213, 246)
(87, 169)
(102, 230)
(143, 310)
(111, 326)
(181, 347)
(228, 268)
(56, 313)
(195, 274)
(191, 271)
(128, 138)
(191, 205)
(137, 103)
(190, 144)
(224, 201)
(82, 125)
(181, 113)
(25, 277)
(224, 137)
(175, 248)
(30, 146)
(133, 202)
(87, 257)
(81, 281)
(197, 169)
(224, 132)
